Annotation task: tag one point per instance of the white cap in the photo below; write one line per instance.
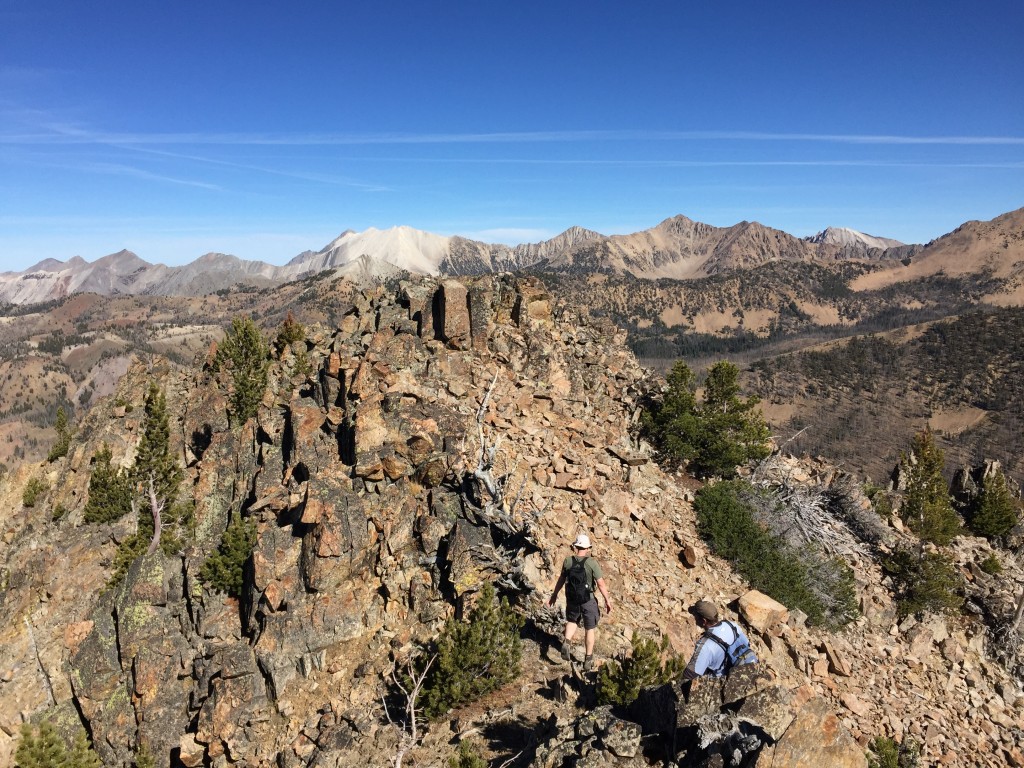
(582, 541)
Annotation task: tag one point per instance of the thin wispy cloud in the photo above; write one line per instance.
(665, 163)
(116, 169)
(55, 133)
(301, 176)
(35, 160)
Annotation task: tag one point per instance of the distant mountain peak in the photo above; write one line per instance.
(843, 236)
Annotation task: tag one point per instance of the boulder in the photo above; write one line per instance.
(770, 709)
(816, 738)
(762, 612)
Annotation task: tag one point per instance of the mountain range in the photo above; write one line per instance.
(677, 248)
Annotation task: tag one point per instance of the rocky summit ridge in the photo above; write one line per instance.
(444, 434)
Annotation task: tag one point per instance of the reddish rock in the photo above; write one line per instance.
(817, 738)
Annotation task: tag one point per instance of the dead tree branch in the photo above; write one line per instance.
(156, 507)
(39, 662)
(408, 731)
(807, 517)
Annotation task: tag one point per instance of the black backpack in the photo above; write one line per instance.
(577, 582)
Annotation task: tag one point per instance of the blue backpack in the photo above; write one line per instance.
(737, 652)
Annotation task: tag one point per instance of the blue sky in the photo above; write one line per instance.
(263, 129)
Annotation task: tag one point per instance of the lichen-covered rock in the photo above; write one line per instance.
(816, 738)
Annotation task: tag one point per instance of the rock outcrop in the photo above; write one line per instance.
(445, 434)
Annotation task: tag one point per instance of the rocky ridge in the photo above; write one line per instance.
(369, 483)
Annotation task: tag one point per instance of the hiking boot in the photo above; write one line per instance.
(588, 664)
(566, 650)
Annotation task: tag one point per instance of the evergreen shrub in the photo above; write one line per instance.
(473, 657)
(991, 565)
(923, 582)
(823, 588)
(144, 758)
(43, 747)
(468, 756)
(34, 490)
(223, 570)
(886, 753)
(619, 681)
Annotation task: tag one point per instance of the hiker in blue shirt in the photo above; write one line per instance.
(722, 646)
(580, 574)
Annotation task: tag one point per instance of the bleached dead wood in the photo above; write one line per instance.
(801, 515)
(408, 729)
(156, 508)
(39, 663)
(497, 509)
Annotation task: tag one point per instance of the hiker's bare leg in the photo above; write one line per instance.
(570, 631)
(591, 638)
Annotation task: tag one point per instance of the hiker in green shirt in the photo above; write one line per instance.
(580, 574)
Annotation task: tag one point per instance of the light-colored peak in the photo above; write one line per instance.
(403, 247)
(844, 236)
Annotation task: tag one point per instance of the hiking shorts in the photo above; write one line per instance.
(585, 614)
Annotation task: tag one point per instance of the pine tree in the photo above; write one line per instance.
(619, 682)
(60, 448)
(474, 657)
(154, 462)
(291, 330)
(44, 749)
(995, 512)
(924, 581)
(927, 506)
(244, 353)
(715, 436)
(223, 570)
(110, 492)
(732, 431)
(155, 474)
(82, 754)
(672, 424)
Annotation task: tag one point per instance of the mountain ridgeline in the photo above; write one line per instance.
(678, 247)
